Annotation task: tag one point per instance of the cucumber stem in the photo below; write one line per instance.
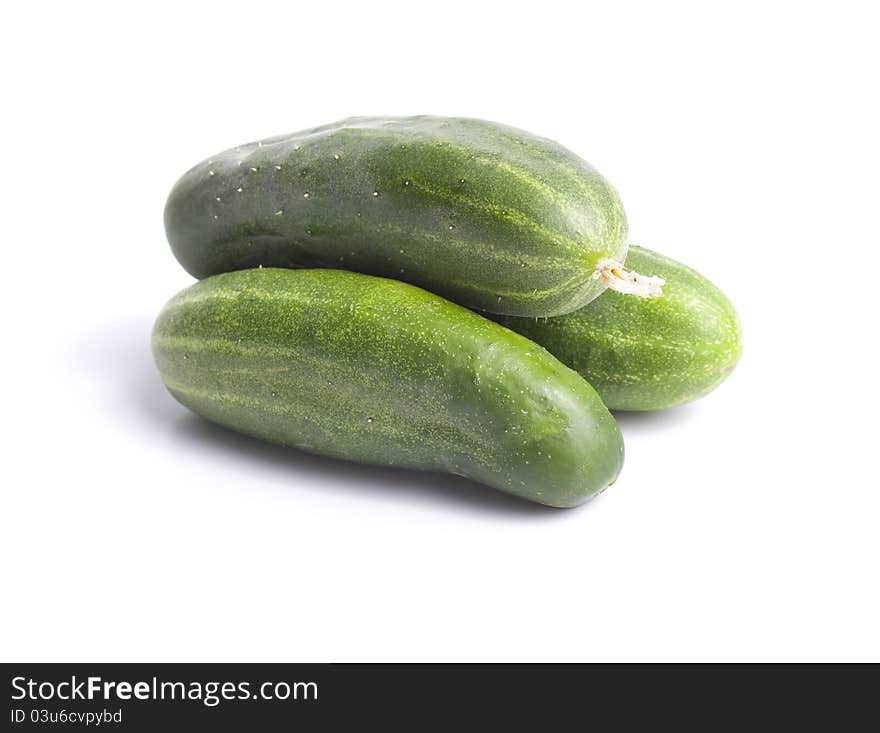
(618, 278)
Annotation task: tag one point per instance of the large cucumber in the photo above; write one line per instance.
(489, 216)
(378, 371)
(647, 354)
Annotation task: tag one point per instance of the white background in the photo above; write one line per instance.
(743, 140)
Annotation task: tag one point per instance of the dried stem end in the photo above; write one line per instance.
(616, 277)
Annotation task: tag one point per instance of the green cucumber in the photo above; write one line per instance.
(647, 354)
(486, 215)
(378, 371)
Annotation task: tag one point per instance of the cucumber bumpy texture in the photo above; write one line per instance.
(378, 371)
(646, 354)
(486, 215)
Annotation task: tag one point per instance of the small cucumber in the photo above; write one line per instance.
(486, 215)
(647, 354)
(378, 371)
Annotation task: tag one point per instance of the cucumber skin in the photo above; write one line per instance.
(377, 371)
(647, 353)
(529, 219)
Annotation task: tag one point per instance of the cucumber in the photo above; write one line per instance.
(647, 354)
(378, 371)
(486, 215)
